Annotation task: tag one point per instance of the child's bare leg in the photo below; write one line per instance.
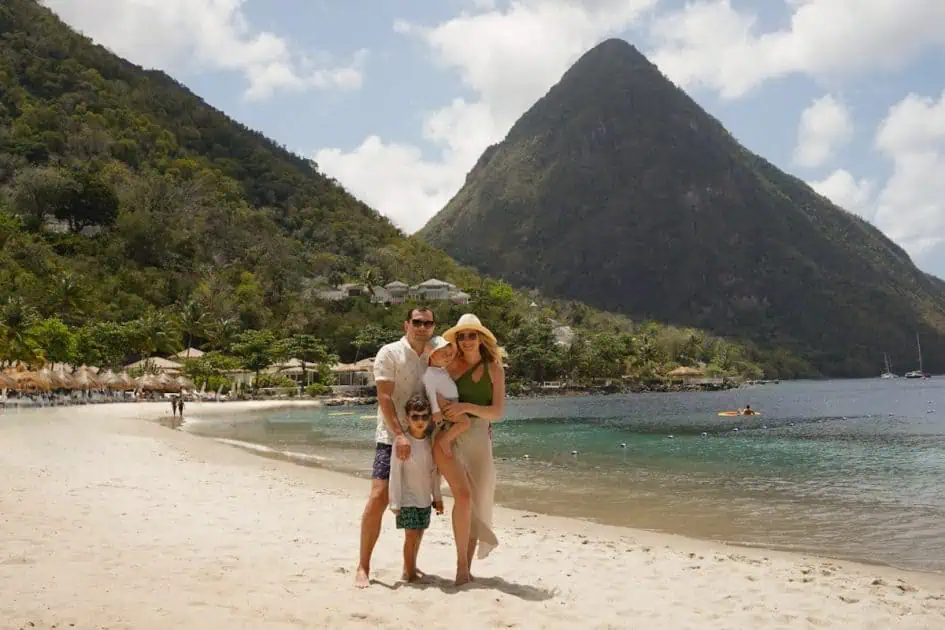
(460, 426)
(412, 538)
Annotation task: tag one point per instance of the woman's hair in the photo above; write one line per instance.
(490, 350)
(417, 402)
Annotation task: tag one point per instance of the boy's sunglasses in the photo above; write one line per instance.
(419, 416)
(425, 323)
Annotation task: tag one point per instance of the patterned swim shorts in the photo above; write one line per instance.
(414, 518)
(381, 468)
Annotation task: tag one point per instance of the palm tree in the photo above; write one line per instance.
(16, 318)
(69, 297)
(222, 332)
(154, 332)
(191, 321)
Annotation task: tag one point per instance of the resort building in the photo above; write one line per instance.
(398, 292)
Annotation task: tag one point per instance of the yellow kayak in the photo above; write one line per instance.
(371, 417)
(738, 413)
(341, 413)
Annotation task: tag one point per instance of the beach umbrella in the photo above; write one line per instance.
(64, 378)
(148, 383)
(26, 381)
(185, 383)
(84, 379)
(6, 382)
(167, 383)
(56, 380)
(126, 382)
(110, 380)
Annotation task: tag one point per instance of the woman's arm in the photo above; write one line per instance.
(496, 410)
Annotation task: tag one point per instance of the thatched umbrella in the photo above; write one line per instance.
(56, 381)
(185, 383)
(64, 378)
(127, 383)
(6, 382)
(85, 379)
(167, 383)
(31, 382)
(110, 380)
(147, 382)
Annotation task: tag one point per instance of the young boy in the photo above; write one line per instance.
(436, 380)
(415, 484)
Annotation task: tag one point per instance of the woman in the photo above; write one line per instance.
(467, 464)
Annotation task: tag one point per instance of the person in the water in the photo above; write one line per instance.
(747, 411)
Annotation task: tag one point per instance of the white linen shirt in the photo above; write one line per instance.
(437, 381)
(399, 363)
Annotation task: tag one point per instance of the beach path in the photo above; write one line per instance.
(109, 520)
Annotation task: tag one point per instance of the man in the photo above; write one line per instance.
(398, 372)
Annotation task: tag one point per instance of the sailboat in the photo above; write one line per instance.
(920, 373)
(887, 371)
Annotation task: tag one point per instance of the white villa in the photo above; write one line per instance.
(398, 292)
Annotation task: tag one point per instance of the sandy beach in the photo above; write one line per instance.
(110, 520)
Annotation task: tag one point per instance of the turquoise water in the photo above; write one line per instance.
(851, 469)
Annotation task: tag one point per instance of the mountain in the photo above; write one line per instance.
(136, 219)
(618, 190)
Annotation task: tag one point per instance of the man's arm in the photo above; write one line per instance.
(385, 371)
(385, 398)
(396, 485)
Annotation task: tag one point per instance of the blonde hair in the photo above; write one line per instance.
(491, 351)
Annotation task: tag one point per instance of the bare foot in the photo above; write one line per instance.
(463, 578)
(362, 580)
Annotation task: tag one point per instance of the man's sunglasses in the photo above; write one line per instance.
(425, 323)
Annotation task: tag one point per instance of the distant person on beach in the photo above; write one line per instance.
(398, 372)
(173, 406)
(437, 382)
(415, 484)
(470, 473)
(180, 407)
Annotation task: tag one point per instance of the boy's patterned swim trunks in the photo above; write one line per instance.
(414, 518)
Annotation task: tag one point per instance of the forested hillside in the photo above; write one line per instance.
(136, 219)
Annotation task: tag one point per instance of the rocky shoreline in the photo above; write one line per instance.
(516, 392)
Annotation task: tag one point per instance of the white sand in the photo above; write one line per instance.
(107, 521)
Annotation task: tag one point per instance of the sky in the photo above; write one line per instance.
(397, 99)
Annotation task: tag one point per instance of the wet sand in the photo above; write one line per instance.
(111, 520)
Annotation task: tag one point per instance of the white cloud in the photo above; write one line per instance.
(824, 126)
(508, 57)
(910, 207)
(848, 192)
(177, 35)
(711, 44)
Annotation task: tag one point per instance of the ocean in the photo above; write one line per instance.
(848, 469)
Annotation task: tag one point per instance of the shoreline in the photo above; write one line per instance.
(104, 503)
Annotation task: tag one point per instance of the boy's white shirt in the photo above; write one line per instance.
(437, 380)
(415, 482)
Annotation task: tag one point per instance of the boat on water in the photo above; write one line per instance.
(920, 373)
(887, 370)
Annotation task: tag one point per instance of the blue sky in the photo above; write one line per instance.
(397, 99)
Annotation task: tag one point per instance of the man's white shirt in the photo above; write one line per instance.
(397, 362)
